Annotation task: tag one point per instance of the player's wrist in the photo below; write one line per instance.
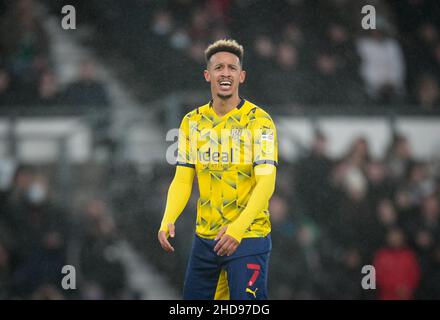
(234, 233)
(164, 227)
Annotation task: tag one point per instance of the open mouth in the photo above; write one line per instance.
(225, 84)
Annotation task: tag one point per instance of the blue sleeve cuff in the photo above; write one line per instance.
(190, 165)
(266, 162)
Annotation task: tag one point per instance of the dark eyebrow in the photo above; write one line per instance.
(229, 65)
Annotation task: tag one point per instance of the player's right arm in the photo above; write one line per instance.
(178, 196)
(181, 186)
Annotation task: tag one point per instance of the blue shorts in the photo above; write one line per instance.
(242, 276)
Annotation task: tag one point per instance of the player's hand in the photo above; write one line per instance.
(226, 245)
(163, 238)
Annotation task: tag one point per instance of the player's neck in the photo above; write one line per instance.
(222, 107)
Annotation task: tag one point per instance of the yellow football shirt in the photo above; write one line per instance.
(224, 152)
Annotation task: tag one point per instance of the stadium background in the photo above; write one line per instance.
(84, 116)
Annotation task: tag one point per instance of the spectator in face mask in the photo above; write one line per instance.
(37, 193)
(40, 217)
(41, 236)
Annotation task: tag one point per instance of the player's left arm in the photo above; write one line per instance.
(265, 161)
(231, 235)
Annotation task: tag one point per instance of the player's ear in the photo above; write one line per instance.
(207, 76)
(242, 76)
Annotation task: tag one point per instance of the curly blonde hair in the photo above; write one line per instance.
(228, 45)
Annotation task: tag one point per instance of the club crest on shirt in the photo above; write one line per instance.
(236, 133)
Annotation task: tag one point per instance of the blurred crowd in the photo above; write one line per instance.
(330, 217)
(297, 52)
(356, 211)
(28, 72)
(316, 53)
(39, 235)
